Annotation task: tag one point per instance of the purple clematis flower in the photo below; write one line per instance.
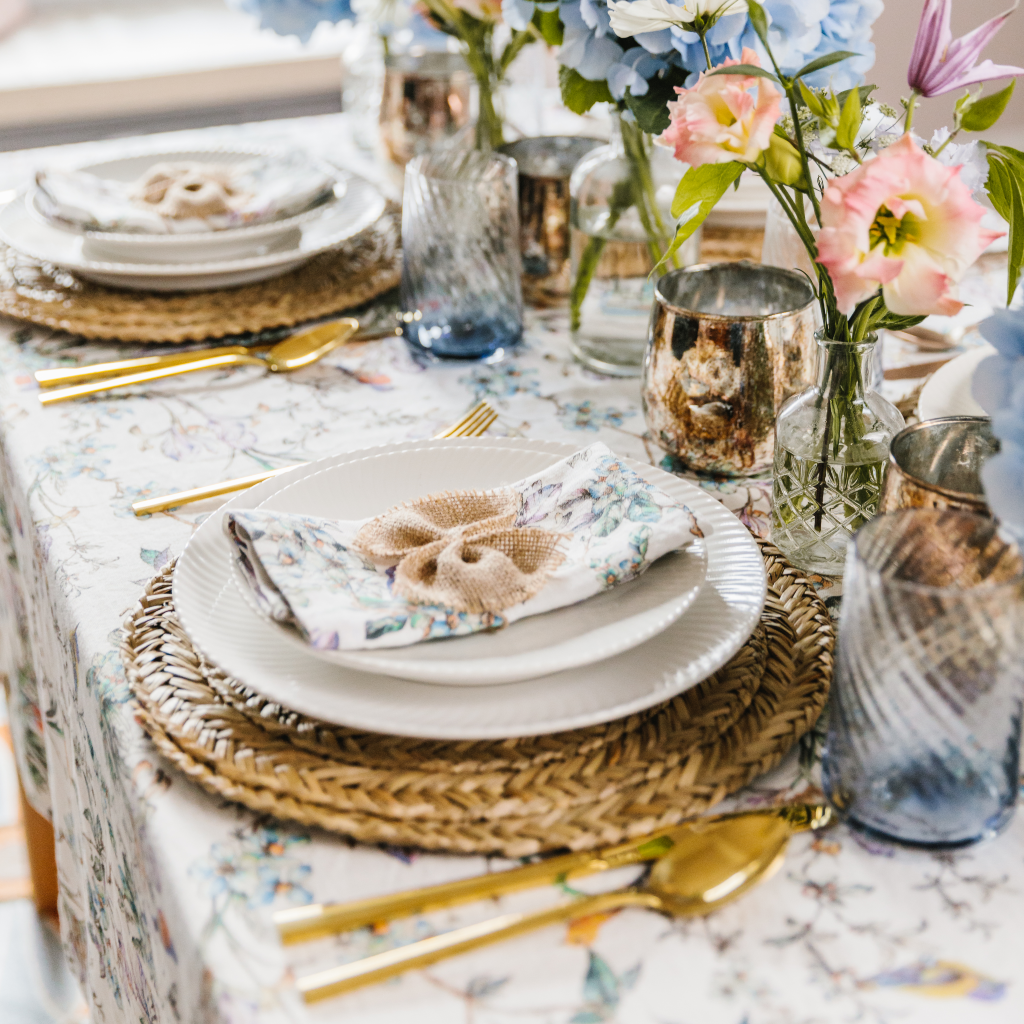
(940, 63)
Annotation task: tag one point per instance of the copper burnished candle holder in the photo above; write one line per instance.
(728, 344)
(545, 164)
(937, 464)
(426, 100)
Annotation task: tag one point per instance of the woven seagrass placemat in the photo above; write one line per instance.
(518, 796)
(360, 269)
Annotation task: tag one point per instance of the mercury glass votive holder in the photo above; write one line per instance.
(924, 727)
(461, 269)
(545, 164)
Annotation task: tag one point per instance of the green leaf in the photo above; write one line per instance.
(812, 100)
(744, 69)
(1005, 188)
(759, 20)
(549, 25)
(895, 322)
(824, 62)
(651, 109)
(701, 187)
(849, 121)
(983, 113)
(865, 94)
(579, 94)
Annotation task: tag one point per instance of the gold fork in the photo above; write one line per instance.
(473, 424)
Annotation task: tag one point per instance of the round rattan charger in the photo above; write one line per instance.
(360, 269)
(574, 789)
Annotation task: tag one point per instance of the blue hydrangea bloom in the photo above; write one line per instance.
(999, 389)
(799, 31)
(297, 17)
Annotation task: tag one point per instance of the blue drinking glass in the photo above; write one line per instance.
(925, 712)
(462, 292)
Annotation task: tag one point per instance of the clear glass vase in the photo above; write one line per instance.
(831, 446)
(621, 224)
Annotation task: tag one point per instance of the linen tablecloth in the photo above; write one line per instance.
(166, 892)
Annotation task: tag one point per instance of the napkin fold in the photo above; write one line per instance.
(184, 196)
(456, 563)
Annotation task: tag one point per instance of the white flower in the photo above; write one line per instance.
(970, 156)
(634, 17)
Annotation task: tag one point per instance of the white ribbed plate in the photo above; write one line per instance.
(234, 636)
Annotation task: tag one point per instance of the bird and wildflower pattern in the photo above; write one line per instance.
(166, 891)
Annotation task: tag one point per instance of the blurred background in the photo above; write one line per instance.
(73, 70)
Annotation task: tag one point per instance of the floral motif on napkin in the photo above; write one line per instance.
(310, 573)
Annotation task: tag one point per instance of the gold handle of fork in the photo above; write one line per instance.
(145, 376)
(119, 367)
(474, 423)
(373, 969)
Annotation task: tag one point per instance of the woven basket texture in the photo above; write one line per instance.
(576, 789)
(365, 266)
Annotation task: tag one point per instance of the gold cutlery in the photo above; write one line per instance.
(293, 353)
(300, 924)
(94, 371)
(473, 424)
(707, 864)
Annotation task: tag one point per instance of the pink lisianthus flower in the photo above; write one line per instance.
(719, 119)
(904, 222)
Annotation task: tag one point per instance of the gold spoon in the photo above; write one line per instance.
(61, 375)
(708, 866)
(291, 354)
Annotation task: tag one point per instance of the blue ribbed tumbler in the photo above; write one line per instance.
(925, 712)
(462, 295)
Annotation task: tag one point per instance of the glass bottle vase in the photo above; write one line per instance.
(831, 447)
(621, 224)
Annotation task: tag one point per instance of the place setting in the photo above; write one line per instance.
(157, 246)
(569, 516)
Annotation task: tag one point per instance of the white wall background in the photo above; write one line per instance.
(894, 38)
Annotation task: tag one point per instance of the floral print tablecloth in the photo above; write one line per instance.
(166, 892)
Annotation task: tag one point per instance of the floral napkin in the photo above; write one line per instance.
(335, 582)
(184, 196)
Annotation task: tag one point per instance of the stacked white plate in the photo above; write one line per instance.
(190, 262)
(634, 646)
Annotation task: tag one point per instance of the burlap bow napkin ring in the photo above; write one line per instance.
(462, 550)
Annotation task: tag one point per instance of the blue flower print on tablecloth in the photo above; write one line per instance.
(502, 381)
(586, 415)
(258, 869)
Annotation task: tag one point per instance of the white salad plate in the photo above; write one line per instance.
(569, 637)
(232, 634)
(358, 207)
(948, 391)
(192, 246)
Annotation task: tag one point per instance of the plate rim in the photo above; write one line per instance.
(747, 613)
(953, 370)
(367, 214)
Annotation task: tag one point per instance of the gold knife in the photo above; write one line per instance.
(301, 924)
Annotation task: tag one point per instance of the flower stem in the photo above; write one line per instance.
(911, 104)
(707, 52)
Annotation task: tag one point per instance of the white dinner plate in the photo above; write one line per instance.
(359, 206)
(569, 637)
(229, 632)
(948, 391)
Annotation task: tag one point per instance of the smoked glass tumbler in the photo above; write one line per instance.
(925, 712)
(462, 295)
